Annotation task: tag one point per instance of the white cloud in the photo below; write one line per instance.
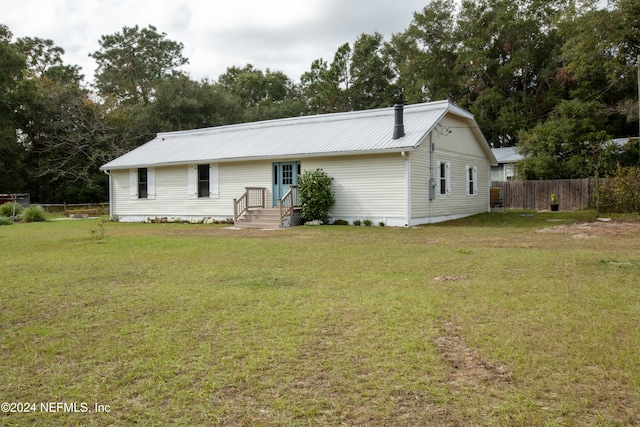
(283, 35)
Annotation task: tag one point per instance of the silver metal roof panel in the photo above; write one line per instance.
(355, 132)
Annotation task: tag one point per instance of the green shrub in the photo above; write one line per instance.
(316, 197)
(7, 209)
(34, 213)
(5, 220)
(340, 222)
(367, 223)
(381, 223)
(622, 192)
(357, 222)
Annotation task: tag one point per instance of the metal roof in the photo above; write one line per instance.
(356, 132)
(506, 154)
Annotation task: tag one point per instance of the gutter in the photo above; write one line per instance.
(293, 156)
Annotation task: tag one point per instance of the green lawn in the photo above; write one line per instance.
(484, 321)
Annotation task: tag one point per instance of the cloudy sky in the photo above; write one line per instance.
(283, 35)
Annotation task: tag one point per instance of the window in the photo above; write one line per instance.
(287, 174)
(443, 178)
(472, 178)
(203, 180)
(142, 183)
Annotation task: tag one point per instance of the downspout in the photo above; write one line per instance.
(407, 169)
(432, 181)
(490, 184)
(398, 132)
(110, 194)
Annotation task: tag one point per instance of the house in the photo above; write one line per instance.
(403, 166)
(506, 158)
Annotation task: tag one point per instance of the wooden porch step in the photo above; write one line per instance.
(268, 218)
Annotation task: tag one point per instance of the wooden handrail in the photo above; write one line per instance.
(288, 203)
(253, 197)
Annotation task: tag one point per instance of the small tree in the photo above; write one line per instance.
(316, 197)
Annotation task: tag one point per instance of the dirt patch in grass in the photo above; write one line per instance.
(442, 279)
(472, 378)
(469, 368)
(594, 229)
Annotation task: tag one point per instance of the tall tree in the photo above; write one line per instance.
(327, 86)
(12, 153)
(425, 54)
(133, 62)
(508, 53)
(404, 55)
(319, 88)
(182, 104)
(42, 54)
(568, 144)
(371, 74)
(61, 128)
(600, 55)
(261, 95)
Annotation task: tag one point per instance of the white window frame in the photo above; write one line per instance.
(206, 168)
(214, 181)
(471, 179)
(193, 181)
(133, 184)
(447, 179)
(151, 184)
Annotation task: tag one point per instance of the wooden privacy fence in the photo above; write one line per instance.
(573, 194)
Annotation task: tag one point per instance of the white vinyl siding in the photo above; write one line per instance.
(174, 186)
(459, 149)
(366, 187)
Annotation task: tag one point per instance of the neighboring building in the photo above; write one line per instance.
(419, 164)
(22, 199)
(506, 158)
(620, 142)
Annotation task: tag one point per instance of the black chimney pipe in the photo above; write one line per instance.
(398, 129)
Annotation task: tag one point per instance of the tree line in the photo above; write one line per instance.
(555, 78)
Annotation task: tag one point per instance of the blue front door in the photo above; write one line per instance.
(285, 174)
